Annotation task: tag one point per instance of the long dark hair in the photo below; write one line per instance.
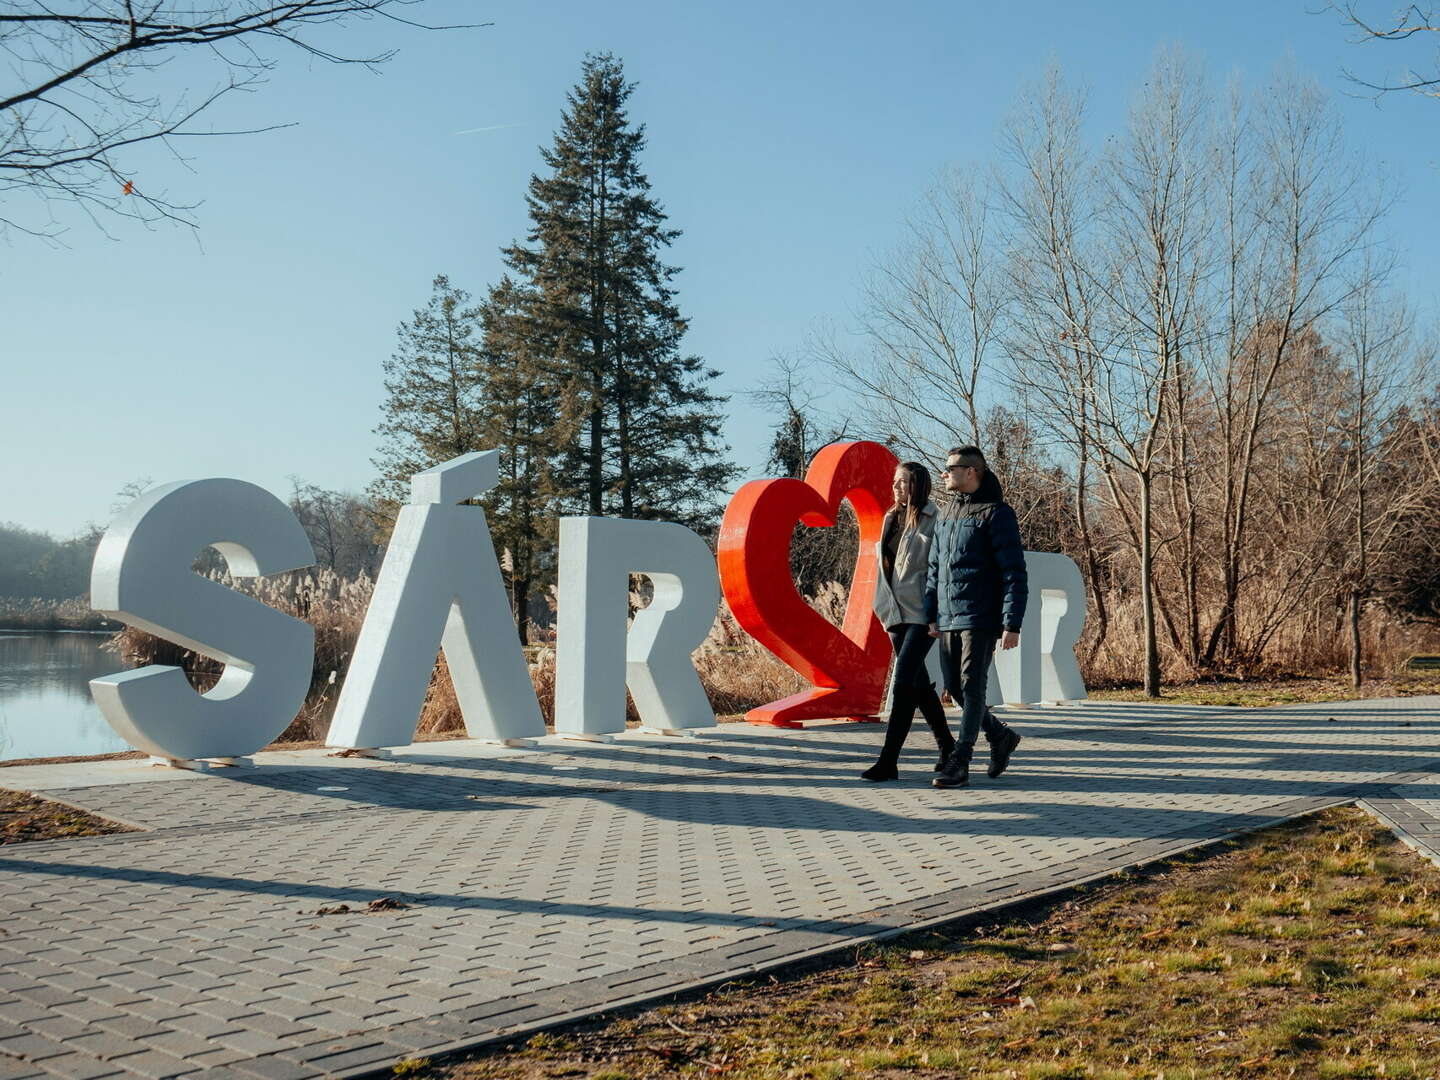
(919, 478)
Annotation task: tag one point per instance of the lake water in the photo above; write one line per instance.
(45, 704)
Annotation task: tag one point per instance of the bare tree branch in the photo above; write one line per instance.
(76, 94)
(1401, 26)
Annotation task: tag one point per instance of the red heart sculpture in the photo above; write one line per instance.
(847, 669)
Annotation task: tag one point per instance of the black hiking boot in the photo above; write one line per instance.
(929, 702)
(957, 768)
(1002, 745)
(902, 713)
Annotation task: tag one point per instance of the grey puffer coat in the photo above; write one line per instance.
(976, 577)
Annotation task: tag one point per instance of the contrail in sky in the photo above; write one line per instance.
(492, 127)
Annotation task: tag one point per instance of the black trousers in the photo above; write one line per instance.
(912, 690)
(912, 644)
(965, 658)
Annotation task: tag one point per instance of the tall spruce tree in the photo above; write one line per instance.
(641, 422)
(434, 386)
(522, 419)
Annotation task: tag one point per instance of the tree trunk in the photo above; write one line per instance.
(595, 480)
(622, 440)
(1092, 560)
(520, 588)
(1147, 596)
(1355, 673)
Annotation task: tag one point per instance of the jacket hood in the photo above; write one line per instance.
(989, 490)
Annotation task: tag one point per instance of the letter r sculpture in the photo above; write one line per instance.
(596, 659)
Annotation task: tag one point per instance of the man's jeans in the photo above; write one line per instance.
(965, 657)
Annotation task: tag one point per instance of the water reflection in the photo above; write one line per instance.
(45, 704)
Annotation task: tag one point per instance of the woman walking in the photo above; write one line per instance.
(900, 606)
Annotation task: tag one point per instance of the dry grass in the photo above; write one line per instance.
(334, 605)
(1309, 950)
(735, 671)
(1262, 692)
(34, 613)
(1304, 645)
(24, 818)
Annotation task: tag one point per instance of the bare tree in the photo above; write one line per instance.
(79, 88)
(931, 318)
(1402, 24)
(1156, 263)
(340, 527)
(1051, 338)
(818, 556)
(1384, 376)
(1309, 212)
(789, 393)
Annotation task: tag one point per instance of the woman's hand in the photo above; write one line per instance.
(934, 630)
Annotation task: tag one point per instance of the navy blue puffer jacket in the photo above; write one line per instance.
(976, 579)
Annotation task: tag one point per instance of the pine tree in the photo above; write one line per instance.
(522, 419)
(434, 384)
(643, 423)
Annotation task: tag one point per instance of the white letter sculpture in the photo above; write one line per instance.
(1062, 616)
(142, 576)
(596, 659)
(1042, 668)
(440, 587)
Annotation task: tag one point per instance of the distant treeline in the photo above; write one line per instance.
(35, 564)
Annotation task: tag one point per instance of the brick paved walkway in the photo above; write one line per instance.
(560, 881)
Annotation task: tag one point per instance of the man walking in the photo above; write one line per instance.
(975, 593)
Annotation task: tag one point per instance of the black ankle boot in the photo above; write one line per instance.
(934, 713)
(957, 768)
(902, 714)
(1003, 741)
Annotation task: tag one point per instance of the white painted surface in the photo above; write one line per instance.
(440, 587)
(142, 576)
(596, 659)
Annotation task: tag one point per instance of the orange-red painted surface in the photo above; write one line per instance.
(846, 666)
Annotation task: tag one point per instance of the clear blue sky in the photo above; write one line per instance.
(788, 141)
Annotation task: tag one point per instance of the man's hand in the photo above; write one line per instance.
(934, 630)
(1010, 639)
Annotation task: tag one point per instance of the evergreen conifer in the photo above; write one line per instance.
(641, 422)
(434, 388)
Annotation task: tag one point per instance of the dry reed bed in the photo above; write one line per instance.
(37, 613)
(1305, 647)
(737, 673)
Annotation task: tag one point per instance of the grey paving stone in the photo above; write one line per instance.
(252, 1042)
(101, 1044)
(370, 1055)
(276, 1068)
(82, 1067)
(652, 866)
(202, 1027)
(156, 1065)
(32, 1047)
